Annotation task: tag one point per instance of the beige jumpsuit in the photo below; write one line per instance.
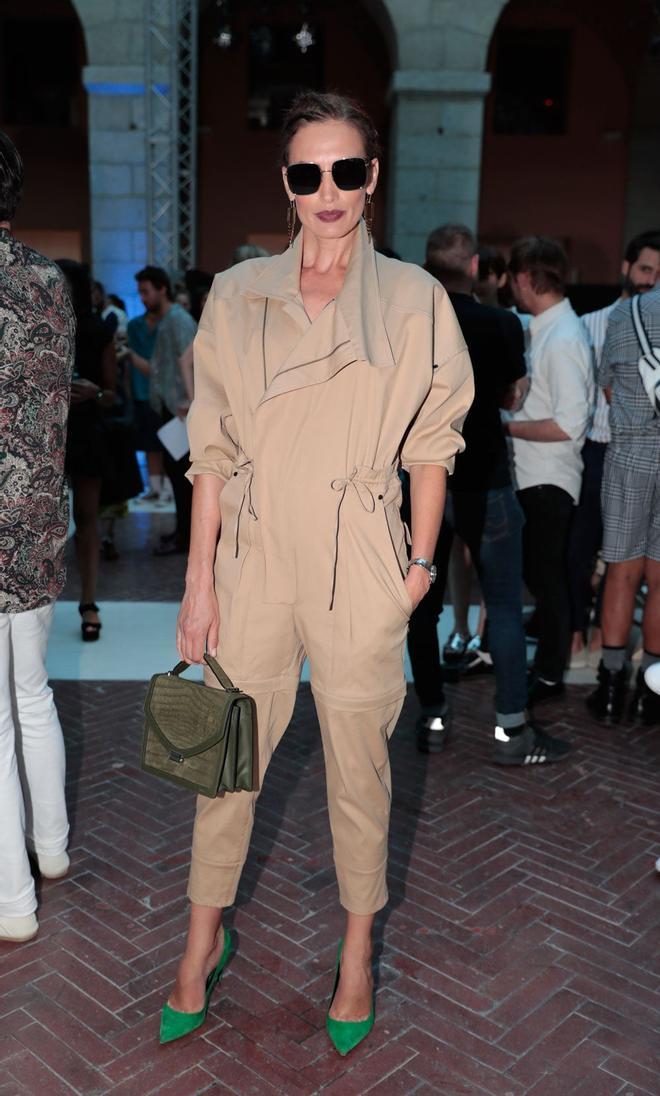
(308, 424)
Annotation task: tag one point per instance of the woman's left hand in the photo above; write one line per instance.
(418, 584)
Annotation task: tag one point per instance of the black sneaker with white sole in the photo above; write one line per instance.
(532, 746)
(433, 729)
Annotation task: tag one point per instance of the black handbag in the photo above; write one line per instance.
(199, 737)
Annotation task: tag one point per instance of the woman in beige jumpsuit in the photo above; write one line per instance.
(318, 374)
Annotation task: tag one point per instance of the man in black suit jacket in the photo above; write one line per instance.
(483, 510)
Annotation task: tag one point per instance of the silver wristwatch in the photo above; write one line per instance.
(428, 565)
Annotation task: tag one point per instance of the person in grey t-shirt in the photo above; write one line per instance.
(167, 392)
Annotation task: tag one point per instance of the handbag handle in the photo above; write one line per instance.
(215, 668)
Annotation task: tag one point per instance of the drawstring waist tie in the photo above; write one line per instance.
(363, 481)
(369, 485)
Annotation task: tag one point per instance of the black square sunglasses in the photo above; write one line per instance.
(349, 174)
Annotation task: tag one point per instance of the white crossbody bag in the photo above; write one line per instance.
(649, 363)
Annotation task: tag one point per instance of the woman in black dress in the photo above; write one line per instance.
(92, 392)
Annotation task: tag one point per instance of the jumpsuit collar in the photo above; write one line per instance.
(355, 325)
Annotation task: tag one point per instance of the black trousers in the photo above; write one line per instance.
(181, 489)
(586, 536)
(548, 510)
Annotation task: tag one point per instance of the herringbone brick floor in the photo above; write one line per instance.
(519, 953)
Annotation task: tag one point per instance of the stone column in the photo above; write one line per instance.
(437, 123)
(117, 175)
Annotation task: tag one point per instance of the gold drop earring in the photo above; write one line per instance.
(291, 221)
(369, 215)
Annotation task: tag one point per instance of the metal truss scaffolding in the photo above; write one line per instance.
(171, 131)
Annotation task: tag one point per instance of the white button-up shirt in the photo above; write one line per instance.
(596, 324)
(562, 389)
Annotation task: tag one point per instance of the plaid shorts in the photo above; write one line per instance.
(630, 503)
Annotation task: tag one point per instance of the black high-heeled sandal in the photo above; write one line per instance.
(90, 629)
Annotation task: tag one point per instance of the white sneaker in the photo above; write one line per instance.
(16, 930)
(53, 867)
(652, 677)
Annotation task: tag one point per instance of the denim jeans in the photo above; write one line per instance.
(491, 524)
(32, 807)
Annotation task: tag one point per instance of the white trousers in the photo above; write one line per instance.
(32, 805)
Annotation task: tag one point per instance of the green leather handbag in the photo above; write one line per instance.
(198, 737)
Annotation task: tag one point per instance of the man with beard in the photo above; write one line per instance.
(640, 270)
(630, 500)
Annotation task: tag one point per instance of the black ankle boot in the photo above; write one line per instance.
(607, 700)
(645, 704)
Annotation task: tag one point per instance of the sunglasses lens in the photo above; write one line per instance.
(349, 174)
(303, 178)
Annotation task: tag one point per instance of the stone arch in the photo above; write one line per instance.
(443, 34)
(589, 160)
(113, 31)
(382, 16)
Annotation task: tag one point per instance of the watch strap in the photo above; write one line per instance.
(427, 564)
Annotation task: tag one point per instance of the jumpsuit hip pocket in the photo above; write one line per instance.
(396, 554)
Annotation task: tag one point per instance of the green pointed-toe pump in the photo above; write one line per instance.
(174, 1024)
(346, 1034)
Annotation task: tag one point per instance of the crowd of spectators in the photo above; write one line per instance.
(581, 415)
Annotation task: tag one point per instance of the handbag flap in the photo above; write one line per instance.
(187, 717)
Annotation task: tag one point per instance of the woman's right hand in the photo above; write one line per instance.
(198, 623)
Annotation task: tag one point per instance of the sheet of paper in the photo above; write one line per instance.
(174, 437)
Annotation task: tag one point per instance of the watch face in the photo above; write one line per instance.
(433, 572)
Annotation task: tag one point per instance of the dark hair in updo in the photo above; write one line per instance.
(317, 106)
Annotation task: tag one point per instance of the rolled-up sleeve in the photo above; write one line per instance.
(212, 446)
(435, 435)
(570, 375)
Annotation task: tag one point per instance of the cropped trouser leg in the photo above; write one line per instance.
(223, 825)
(355, 747)
(357, 772)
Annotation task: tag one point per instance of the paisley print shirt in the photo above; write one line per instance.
(37, 337)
